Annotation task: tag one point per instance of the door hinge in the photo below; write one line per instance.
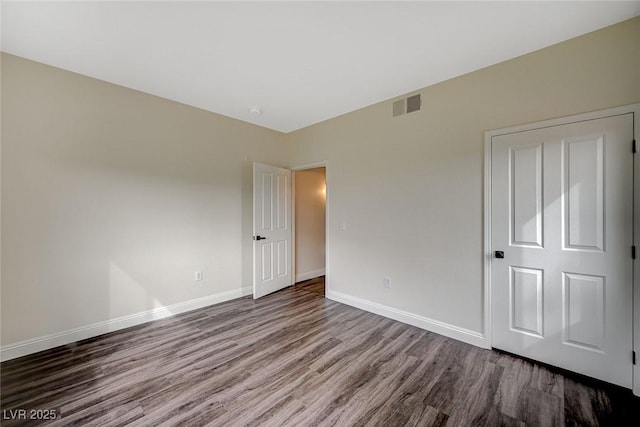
(634, 148)
(633, 357)
(633, 252)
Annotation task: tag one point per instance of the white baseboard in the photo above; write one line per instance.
(309, 275)
(451, 331)
(35, 345)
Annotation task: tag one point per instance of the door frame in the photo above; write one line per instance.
(322, 164)
(487, 250)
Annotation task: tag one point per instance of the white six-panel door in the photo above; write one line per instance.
(561, 213)
(272, 232)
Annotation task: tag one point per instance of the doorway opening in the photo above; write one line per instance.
(310, 196)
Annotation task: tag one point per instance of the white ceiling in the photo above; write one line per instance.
(300, 62)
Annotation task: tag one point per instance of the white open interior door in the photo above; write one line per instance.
(272, 231)
(561, 236)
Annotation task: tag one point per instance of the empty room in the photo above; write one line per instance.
(319, 213)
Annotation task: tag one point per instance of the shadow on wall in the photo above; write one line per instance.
(112, 199)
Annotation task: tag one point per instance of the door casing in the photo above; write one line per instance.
(488, 250)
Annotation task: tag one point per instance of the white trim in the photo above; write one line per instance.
(486, 262)
(312, 165)
(293, 261)
(636, 262)
(35, 345)
(617, 111)
(635, 109)
(309, 275)
(446, 329)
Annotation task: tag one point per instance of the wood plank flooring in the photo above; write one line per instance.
(295, 358)
(315, 285)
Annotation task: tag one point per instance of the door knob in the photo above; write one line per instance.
(259, 238)
(499, 254)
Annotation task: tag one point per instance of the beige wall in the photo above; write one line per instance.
(410, 189)
(112, 199)
(310, 223)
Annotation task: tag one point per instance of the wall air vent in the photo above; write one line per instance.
(407, 105)
(414, 103)
(398, 108)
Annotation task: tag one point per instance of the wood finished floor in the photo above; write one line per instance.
(295, 358)
(315, 285)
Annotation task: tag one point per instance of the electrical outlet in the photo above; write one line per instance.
(197, 276)
(386, 283)
(343, 225)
